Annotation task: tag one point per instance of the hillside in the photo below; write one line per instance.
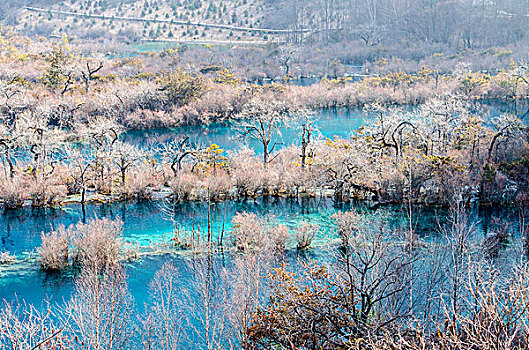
(132, 21)
(432, 25)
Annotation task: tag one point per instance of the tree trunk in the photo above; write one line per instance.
(265, 154)
(83, 194)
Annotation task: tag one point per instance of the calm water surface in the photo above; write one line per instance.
(145, 224)
(331, 123)
(20, 230)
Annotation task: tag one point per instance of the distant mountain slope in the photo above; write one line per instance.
(133, 20)
(438, 24)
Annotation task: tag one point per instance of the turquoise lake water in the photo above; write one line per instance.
(144, 223)
(331, 123)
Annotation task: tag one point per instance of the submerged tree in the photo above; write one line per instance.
(308, 130)
(335, 306)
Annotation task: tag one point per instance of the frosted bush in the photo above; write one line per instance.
(304, 235)
(250, 232)
(7, 258)
(12, 192)
(98, 243)
(183, 185)
(45, 191)
(53, 253)
(140, 183)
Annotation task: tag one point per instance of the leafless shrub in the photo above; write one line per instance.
(100, 310)
(247, 172)
(247, 231)
(182, 185)
(44, 191)
(12, 192)
(217, 184)
(7, 258)
(130, 250)
(252, 233)
(98, 242)
(54, 251)
(286, 174)
(304, 234)
(139, 184)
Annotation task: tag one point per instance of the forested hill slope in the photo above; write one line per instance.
(465, 24)
(133, 20)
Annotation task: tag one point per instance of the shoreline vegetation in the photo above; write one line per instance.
(63, 114)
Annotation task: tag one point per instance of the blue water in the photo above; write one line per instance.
(330, 123)
(494, 108)
(20, 230)
(143, 223)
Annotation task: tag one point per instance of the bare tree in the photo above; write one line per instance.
(102, 134)
(457, 233)
(373, 270)
(81, 169)
(10, 88)
(329, 306)
(100, 310)
(124, 156)
(175, 152)
(308, 129)
(246, 291)
(8, 140)
(24, 327)
(163, 321)
(88, 73)
(507, 128)
(205, 298)
(261, 121)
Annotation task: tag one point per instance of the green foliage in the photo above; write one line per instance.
(58, 59)
(472, 83)
(339, 81)
(181, 87)
(489, 173)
